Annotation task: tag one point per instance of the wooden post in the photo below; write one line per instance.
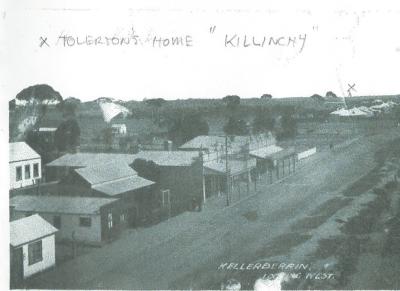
(277, 169)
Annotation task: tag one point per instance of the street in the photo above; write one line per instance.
(185, 252)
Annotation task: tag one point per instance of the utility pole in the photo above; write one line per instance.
(228, 188)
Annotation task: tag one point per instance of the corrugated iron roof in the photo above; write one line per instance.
(20, 151)
(100, 173)
(265, 152)
(283, 154)
(235, 166)
(89, 159)
(28, 229)
(59, 204)
(169, 158)
(122, 186)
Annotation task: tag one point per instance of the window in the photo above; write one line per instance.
(18, 174)
(110, 220)
(35, 252)
(57, 221)
(35, 170)
(122, 217)
(165, 197)
(85, 221)
(27, 172)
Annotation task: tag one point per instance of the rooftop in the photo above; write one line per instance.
(265, 152)
(79, 160)
(122, 186)
(235, 166)
(235, 143)
(28, 229)
(169, 158)
(20, 151)
(59, 204)
(110, 171)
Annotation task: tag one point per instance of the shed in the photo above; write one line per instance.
(32, 247)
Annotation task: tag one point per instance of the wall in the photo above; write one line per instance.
(22, 183)
(184, 183)
(70, 223)
(48, 253)
(307, 153)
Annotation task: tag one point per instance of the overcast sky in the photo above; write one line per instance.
(344, 45)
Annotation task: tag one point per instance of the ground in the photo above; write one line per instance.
(282, 222)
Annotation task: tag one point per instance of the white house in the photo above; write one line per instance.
(25, 165)
(85, 219)
(32, 247)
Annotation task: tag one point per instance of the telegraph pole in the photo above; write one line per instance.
(228, 188)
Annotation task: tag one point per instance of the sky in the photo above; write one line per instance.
(344, 44)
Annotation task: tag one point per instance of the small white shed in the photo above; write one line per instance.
(32, 247)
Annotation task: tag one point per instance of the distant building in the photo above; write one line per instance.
(83, 219)
(25, 165)
(118, 129)
(211, 144)
(32, 248)
(46, 134)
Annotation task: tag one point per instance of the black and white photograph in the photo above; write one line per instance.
(183, 145)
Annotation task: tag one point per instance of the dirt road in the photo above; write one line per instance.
(190, 253)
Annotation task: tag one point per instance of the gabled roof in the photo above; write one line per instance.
(28, 229)
(78, 160)
(169, 158)
(20, 151)
(110, 171)
(122, 186)
(59, 204)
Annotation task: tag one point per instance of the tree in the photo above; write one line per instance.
(67, 135)
(69, 106)
(40, 93)
(232, 102)
(286, 126)
(330, 94)
(108, 137)
(187, 128)
(147, 169)
(155, 104)
(317, 97)
(266, 96)
(263, 121)
(236, 126)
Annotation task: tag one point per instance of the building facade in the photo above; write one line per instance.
(25, 165)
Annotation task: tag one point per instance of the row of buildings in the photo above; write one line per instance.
(92, 197)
